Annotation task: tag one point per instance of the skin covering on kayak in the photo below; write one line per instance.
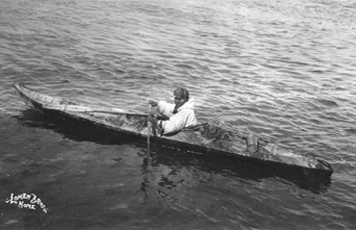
(202, 138)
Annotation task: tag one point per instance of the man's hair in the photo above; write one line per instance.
(182, 92)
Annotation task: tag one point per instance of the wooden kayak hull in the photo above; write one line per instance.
(204, 140)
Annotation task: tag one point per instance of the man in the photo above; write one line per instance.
(179, 115)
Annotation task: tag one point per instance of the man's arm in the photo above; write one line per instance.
(165, 108)
(174, 124)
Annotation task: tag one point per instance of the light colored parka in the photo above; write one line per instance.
(184, 117)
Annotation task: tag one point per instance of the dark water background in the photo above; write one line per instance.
(283, 69)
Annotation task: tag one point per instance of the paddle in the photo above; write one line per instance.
(147, 167)
(149, 126)
(147, 185)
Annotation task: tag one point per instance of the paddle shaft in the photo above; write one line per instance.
(149, 125)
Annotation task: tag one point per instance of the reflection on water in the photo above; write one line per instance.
(88, 176)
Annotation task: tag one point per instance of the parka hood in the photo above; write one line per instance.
(188, 105)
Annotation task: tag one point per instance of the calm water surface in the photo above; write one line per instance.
(282, 69)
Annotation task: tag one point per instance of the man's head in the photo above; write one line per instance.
(181, 96)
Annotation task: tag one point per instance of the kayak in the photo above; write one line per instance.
(203, 139)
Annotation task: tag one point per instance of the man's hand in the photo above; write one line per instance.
(152, 119)
(153, 103)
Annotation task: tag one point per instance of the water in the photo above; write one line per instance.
(282, 69)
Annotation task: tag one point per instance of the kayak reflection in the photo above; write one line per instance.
(169, 166)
